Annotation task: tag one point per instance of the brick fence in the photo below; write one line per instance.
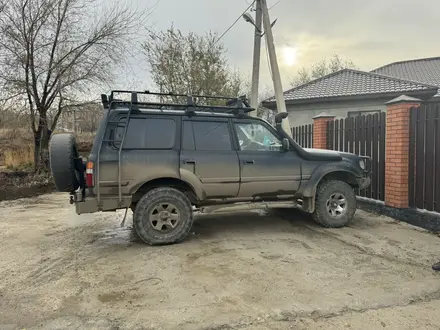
(320, 130)
(397, 147)
(397, 150)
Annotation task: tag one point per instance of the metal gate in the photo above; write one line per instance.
(364, 136)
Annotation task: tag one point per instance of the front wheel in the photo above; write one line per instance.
(163, 216)
(335, 204)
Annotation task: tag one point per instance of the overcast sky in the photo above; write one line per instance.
(370, 33)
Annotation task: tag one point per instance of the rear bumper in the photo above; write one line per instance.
(363, 182)
(91, 205)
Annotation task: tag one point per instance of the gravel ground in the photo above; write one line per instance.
(274, 270)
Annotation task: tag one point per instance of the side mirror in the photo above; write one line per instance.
(286, 144)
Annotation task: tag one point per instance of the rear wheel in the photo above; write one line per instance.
(335, 204)
(163, 216)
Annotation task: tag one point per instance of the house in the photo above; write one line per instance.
(349, 92)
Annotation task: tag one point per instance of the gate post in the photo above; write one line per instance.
(397, 150)
(320, 130)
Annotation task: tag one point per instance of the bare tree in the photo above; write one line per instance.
(320, 69)
(84, 117)
(52, 49)
(190, 64)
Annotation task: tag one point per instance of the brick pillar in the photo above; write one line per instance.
(320, 130)
(397, 150)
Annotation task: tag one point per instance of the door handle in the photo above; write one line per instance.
(249, 162)
(190, 161)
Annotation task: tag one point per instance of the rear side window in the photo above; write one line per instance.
(148, 133)
(135, 132)
(211, 136)
(161, 133)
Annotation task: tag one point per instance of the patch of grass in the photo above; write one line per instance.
(17, 151)
(19, 158)
(15, 135)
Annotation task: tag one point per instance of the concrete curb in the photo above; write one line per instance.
(420, 218)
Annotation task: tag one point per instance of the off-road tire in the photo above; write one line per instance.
(324, 192)
(62, 155)
(162, 195)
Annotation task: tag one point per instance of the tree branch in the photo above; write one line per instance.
(60, 22)
(59, 111)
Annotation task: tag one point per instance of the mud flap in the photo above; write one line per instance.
(308, 204)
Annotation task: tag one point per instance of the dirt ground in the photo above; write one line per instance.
(15, 185)
(274, 270)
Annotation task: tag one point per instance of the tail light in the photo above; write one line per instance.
(89, 174)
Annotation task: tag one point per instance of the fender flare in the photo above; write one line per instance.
(320, 172)
(186, 177)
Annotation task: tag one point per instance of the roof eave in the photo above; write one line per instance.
(390, 95)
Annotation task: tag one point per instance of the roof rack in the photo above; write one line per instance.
(234, 105)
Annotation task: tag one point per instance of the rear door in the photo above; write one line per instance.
(207, 152)
(266, 169)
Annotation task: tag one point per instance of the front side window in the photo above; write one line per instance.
(256, 137)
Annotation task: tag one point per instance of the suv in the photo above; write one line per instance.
(162, 160)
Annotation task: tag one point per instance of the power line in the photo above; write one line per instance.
(235, 22)
(275, 4)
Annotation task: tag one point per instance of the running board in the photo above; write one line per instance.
(248, 206)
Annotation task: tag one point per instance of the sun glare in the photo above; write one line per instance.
(290, 55)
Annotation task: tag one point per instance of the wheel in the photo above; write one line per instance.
(335, 204)
(62, 155)
(163, 216)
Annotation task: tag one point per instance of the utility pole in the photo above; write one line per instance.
(278, 86)
(257, 56)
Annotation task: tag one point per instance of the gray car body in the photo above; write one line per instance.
(213, 177)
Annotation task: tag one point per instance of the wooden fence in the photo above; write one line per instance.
(365, 136)
(303, 135)
(424, 157)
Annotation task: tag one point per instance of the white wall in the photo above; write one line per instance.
(302, 114)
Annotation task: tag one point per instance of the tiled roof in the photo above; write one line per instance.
(350, 82)
(425, 70)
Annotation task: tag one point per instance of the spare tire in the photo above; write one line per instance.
(62, 154)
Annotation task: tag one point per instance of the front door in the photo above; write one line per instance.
(266, 170)
(207, 152)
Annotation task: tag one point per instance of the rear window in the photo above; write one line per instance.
(147, 133)
(211, 136)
